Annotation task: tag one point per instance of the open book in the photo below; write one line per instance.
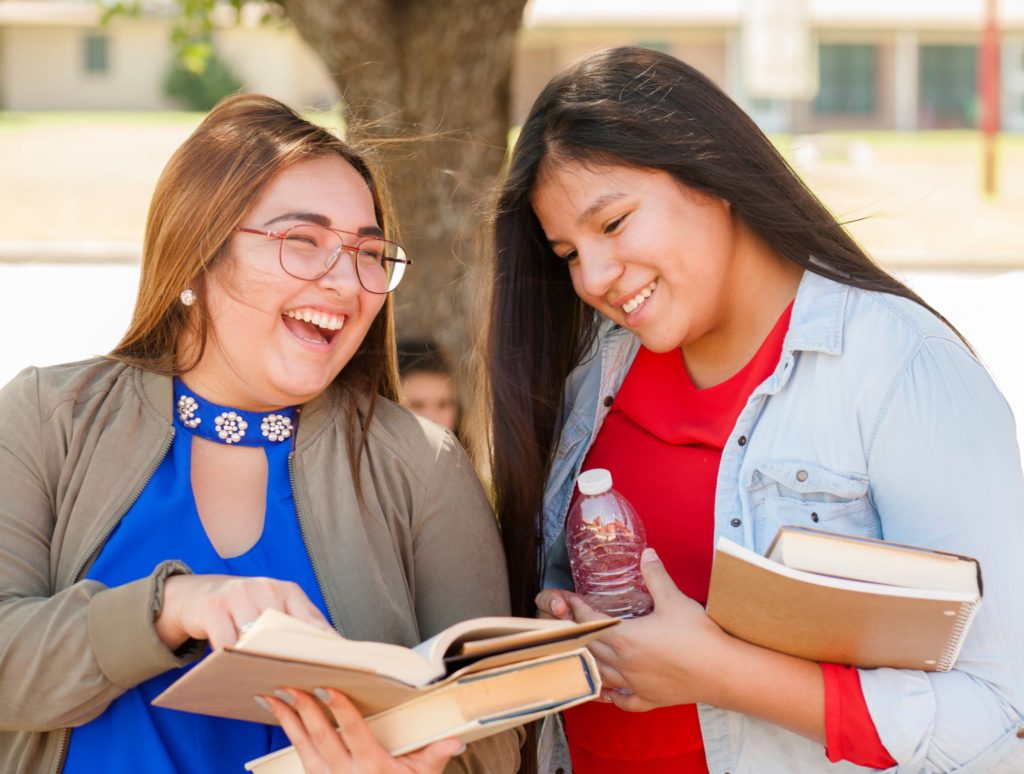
(847, 599)
(475, 678)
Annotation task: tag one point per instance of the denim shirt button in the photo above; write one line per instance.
(742, 440)
(801, 475)
(814, 518)
(1020, 732)
(608, 401)
(736, 522)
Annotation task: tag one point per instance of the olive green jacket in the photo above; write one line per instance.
(78, 444)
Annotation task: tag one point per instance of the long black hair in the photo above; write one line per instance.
(640, 108)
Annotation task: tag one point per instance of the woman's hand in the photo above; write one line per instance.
(554, 603)
(351, 747)
(216, 607)
(671, 656)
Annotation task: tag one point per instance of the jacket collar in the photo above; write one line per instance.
(819, 313)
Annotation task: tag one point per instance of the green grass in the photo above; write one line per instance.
(17, 120)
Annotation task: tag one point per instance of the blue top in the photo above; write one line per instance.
(880, 422)
(132, 735)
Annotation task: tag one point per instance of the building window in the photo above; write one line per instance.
(948, 87)
(847, 74)
(96, 54)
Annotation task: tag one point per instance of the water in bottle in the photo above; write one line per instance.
(605, 537)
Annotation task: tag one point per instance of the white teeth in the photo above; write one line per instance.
(320, 319)
(634, 303)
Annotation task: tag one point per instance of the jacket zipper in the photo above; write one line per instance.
(305, 541)
(62, 748)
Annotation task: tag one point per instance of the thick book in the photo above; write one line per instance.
(846, 599)
(473, 679)
(474, 706)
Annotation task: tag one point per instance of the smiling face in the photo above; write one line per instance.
(642, 249)
(275, 340)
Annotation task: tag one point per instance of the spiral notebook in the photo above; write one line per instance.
(840, 613)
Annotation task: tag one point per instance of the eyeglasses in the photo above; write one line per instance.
(308, 252)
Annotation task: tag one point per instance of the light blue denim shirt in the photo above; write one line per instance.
(898, 432)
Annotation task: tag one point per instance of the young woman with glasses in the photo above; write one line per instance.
(238, 451)
(670, 302)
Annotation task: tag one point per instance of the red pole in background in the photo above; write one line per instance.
(989, 88)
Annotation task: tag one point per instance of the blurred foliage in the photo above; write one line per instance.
(197, 77)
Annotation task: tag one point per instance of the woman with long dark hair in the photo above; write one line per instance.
(672, 303)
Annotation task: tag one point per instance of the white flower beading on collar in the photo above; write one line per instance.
(231, 426)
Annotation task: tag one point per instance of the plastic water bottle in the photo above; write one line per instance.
(605, 537)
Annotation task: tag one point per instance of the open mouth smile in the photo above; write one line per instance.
(312, 325)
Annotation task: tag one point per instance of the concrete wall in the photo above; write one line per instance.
(43, 67)
(276, 61)
(542, 53)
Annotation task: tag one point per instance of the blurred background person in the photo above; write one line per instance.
(428, 382)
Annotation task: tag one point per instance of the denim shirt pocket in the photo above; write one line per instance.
(809, 495)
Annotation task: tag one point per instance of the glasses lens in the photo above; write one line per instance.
(306, 251)
(380, 265)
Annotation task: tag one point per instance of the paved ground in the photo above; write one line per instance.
(920, 196)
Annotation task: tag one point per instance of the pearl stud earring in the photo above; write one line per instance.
(188, 296)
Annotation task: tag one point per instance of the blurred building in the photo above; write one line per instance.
(56, 55)
(865, 64)
(872, 64)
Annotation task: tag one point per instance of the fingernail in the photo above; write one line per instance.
(286, 697)
(264, 704)
(459, 751)
(649, 555)
(322, 695)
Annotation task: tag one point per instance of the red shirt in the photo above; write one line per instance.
(662, 441)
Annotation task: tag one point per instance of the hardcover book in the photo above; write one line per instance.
(846, 599)
(473, 679)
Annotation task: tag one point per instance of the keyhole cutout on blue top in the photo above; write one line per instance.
(229, 484)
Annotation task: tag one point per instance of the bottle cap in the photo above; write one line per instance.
(594, 482)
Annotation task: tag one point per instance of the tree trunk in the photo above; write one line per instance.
(426, 67)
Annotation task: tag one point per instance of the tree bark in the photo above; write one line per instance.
(426, 67)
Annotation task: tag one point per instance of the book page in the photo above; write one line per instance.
(280, 636)
(727, 546)
(479, 637)
(876, 561)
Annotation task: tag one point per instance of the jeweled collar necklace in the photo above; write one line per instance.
(228, 425)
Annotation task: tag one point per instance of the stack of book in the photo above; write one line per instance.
(846, 599)
(474, 679)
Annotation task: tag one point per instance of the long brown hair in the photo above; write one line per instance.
(203, 192)
(639, 108)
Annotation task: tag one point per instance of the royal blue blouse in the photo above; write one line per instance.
(132, 735)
